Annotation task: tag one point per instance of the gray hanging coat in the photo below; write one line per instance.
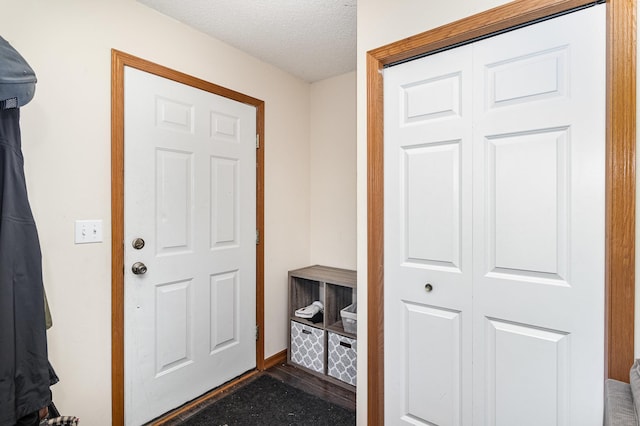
(24, 372)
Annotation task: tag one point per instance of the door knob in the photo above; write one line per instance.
(139, 268)
(428, 287)
(137, 243)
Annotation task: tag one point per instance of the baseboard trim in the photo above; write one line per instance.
(279, 358)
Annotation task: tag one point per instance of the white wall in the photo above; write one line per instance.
(381, 22)
(333, 171)
(66, 142)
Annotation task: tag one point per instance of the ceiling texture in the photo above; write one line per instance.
(310, 39)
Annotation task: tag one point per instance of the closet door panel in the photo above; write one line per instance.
(538, 281)
(428, 241)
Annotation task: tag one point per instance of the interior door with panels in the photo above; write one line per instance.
(190, 173)
(494, 229)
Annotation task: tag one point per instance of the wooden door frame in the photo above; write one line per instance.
(620, 170)
(118, 61)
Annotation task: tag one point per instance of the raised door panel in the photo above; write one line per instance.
(526, 205)
(174, 320)
(432, 232)
(224, 202)
(527, 375)
(431, 381)
(174, 196)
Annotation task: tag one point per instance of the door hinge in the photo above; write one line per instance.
(257, 141)
(257, 333)
(257, 236)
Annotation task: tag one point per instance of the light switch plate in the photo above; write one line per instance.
(88, 231)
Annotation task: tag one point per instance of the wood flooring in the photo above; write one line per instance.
(314, 385)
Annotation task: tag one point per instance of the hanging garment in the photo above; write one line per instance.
(24, 368)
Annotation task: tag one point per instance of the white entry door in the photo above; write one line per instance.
(494, 229)
(190, 175)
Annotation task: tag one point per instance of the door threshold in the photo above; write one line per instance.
(191, 405)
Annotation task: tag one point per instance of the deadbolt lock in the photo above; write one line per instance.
(137, 243)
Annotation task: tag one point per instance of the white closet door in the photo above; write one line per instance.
(428, 240)
(539, 220)
(494, 196)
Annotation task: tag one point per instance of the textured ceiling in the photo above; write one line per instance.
(311, 39)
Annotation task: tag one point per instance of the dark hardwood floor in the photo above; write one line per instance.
(290, 375)
(314, 385)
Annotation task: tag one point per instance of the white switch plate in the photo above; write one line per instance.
(88, 231)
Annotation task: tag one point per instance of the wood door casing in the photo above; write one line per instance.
(118, 61)
(620, 184)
